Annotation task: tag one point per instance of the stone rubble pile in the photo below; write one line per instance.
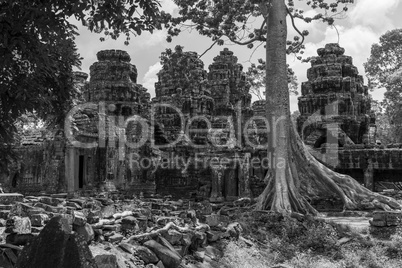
(155, 232)
(386, 223)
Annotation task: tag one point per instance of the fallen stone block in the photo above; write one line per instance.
(4, 214)
(79, 218)
(56, 247)
(168, 257)
(10, 198)
(19, 239)
(39, 220)
(18, 225)
(116, 238)
(145, 254)
(85, 231)
(108, 211)
(103, 258)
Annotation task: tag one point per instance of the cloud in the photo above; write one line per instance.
(357, 42)
(150, 78)
(373, 14)
(169, 6)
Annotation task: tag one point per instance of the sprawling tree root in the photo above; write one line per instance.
(155, 233)
(304, 173)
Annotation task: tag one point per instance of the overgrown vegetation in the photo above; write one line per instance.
(273, 239)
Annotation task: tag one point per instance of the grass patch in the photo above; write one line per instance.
(308, 244)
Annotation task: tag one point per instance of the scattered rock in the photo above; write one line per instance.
(168, 257)
(145, 254)
(85, 231)
(56, 247)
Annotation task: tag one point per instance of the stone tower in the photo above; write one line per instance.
(112, 96)
(182, 89)
(334, 103)
(228, 81)
(230, 92)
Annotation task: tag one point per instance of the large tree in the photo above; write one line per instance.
(384, 69)
(37, 53)
(296, 171)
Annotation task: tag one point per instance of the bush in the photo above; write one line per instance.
(238, 255)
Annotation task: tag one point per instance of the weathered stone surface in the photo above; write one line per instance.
(103, 258)
(108, 211)
(168, 257)
(19, 239)
(56, 247)
(18, 225)
(39, 220)
(145, 254)
(10, 198)
(234, 229)
(173, 237)
(85, 231)
(116, 238)
(79, 218)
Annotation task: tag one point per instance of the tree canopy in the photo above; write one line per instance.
(384, 69)
(37, 52)
(256, 76)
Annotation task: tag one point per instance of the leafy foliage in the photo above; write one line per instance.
(234, 20)
(183, 67)
(384, 69)
(37, 52)
(256, 75)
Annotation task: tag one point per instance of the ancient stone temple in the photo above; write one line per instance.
(213, 109)
(97, 154)
(337, 124)
(181, 92)
(334, 103)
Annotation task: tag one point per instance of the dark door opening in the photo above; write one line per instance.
(81, 163)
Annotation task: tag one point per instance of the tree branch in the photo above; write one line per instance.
(297, 30)
(208, 49)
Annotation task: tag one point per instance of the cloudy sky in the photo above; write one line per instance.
(362, 26)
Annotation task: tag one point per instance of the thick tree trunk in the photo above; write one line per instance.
(294, 169)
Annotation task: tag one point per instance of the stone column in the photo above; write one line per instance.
(369, 176)
(231, 184)
(70, 168)
(216, 191)
(244, 177)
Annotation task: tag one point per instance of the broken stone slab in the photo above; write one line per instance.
(55, 209)
(214, 220)
(234, 230)
(165, 220)
(18, 225)
(103, 258)
(80, 202)
(174, 237)
(52, 201)
(73, 205)
(168, 257)
(115, 238)
(79, 218)
(4, 214)
(19, 239)
(114, 227)
(56, 247)
(108, 211)
(145, 254)
(39, 220)
(122, 214)
(5, 207)
(94, 216)
(85, 231)
(59, 195)
(10, 198)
